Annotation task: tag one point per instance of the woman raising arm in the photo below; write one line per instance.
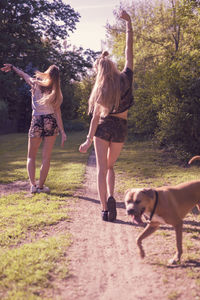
(109, 102)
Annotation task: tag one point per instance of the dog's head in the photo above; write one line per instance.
(137, 201)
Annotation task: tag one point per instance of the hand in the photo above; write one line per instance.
(85, 146)
(7, 68)
(124, 15)
(63, 138)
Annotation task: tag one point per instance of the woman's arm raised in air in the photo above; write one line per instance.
(10, 67)
(129, 40)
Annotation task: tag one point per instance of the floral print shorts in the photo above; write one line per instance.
(43, 125)
(112, 129)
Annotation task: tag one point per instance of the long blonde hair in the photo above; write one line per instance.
(49, 83)
(105, 95)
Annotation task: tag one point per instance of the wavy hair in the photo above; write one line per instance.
(49, 83)
(105, 95)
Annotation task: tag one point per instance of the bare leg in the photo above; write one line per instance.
(46, 157)
(113, 154)
(101, 150)
(33, 145)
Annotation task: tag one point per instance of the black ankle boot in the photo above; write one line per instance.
(104, 215)
(112, 211)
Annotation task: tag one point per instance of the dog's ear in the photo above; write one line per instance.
(132, 191)
(129, 194)
(149, 193)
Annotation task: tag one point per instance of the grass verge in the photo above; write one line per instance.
(32, 252)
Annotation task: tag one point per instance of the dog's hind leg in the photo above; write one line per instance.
(150, 228)
(179, 234)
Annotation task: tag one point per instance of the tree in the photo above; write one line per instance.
(166, 72)
(35, 31)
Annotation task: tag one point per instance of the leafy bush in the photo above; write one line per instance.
(3, 110)
(75, 125)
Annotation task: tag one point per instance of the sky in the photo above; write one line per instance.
(90, 30)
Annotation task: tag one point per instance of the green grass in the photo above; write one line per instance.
(142, 164)
(31, 254)
(28, 269)
(34, 256)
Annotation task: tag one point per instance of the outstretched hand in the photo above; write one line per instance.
(124, 15)
(7, 68)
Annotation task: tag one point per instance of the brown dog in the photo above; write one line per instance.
(164, 205)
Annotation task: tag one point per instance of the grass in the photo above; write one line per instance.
(34, 256)
(142, 164)
(31, 253)
(28, 269)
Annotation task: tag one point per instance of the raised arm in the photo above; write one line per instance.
(129, 40)
(10, 67)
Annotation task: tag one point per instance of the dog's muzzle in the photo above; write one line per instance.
(136, 215)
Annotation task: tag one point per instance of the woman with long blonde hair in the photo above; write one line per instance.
(46, 120)
(109, 102)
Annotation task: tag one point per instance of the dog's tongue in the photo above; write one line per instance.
(137, 220)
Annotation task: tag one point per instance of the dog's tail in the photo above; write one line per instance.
(197, 157)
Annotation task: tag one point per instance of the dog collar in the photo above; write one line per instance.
(155, 205)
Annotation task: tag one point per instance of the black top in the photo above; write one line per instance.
(126, 101)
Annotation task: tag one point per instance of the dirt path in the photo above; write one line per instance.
(105, 263)
(104, 260)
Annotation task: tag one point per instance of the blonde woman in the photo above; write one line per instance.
(46, 120)
(109, 102)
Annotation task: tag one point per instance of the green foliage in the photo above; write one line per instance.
(82, 92)
(35, 37)
(75, 125)
(3, 110)
(166, 71)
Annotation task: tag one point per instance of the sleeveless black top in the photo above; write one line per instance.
(126, 101)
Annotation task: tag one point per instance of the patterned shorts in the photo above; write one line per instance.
(43, 125)
(112, 129)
